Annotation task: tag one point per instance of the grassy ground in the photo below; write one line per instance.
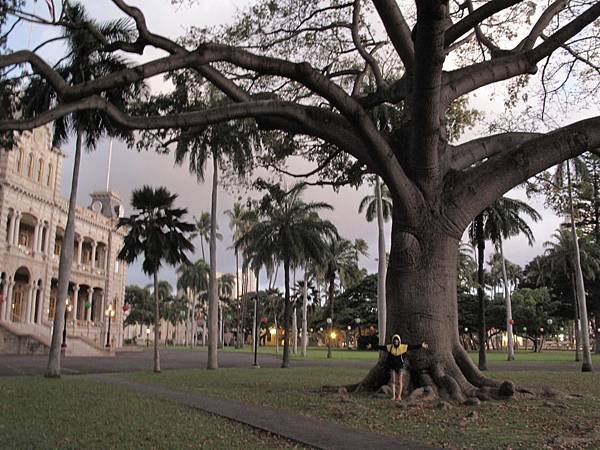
(74, 413)
(523, 424)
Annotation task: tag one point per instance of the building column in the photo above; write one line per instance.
(40, 247)
(11, 285)
(34, 292)
(75, 300)
(38, 318)
(79, 251)
(47, 243)
(5, 301)
(17, 229)
(88, 312)
(11, 228)
(36, 238)
(94, 244)
(27, 316)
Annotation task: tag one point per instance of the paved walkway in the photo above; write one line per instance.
(305, 430)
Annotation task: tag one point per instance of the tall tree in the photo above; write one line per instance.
(290, 231)
(85, 62)
(237, 218)
(499, 221)
(158, 233)
(297, 68)
(379, 206)
(203, 227)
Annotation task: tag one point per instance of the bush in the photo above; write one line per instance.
(369, 342)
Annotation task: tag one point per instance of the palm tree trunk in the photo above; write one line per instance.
(480, 291)
(509, 327)
(295, 329)
(381, 265)
(286, 316)
(586, 365)
(64, 269)
(156, 324)
(238, 302)
(577, 321)
(213, 336)
(305, 314)
(330, 332)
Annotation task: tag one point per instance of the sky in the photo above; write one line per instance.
(131, 169)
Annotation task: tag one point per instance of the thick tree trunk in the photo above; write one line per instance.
(381, 264)
(286, 317)
(586, 365)
(509, 327)
(305, 314)
(213, 299)
(156, 324)
(64, 269)
(422, 307)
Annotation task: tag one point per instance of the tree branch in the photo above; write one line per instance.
(368, 57)
(482, 184)
(482, 13)
(462, 81)
(397, 30)
(472, 152)
(544, 20)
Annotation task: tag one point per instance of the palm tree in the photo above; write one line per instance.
(193, 279)
(561, 252)
(220, 142)
(157, 231)
(86, 62)
(579, 170)
(173, 312)
(203, 224)
(236, 223)
(379, 206)
(290, 231)
(225, 288)
(340, 258)
(499, 221)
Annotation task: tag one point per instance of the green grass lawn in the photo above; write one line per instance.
(522, 424)
(75, 413)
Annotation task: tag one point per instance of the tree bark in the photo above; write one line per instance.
(510, 350)
(213, 305)
(381, 265)
(238, 301)
(422, 307)
(286, 317)
(53, 369)
(586, 365)
(156, 324)
(305, 315)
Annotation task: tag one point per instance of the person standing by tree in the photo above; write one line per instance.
(395, 362)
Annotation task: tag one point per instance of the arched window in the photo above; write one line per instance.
(49, 179)
(40, 174)
(20, 160)
(30, 165)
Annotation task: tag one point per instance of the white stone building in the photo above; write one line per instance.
(32, 220)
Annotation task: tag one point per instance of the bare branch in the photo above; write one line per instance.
(368, 57)
(529, 41)
(462, 81)
(475, 18)
(477, 150)
(484, 183)
(312, 172)
(397, 29)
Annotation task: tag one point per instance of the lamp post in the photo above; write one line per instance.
(110, 313)
(330, 323)
(348, 337)
(147, 335)
(67, 310)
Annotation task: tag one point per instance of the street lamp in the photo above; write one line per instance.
(110, 313)
(330, 323)
(147, 335)
(68, 308)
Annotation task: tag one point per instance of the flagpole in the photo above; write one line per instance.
(109, 160)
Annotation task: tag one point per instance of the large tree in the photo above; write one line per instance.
(299, 67)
